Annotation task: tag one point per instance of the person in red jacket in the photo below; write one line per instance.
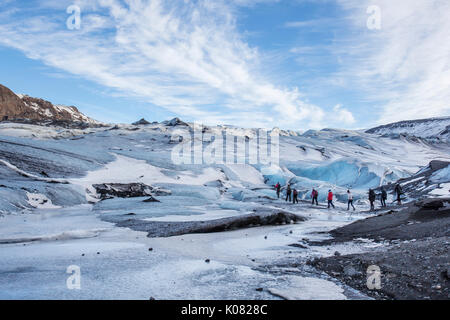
(278, 188)
(315, 196)
(330, 199)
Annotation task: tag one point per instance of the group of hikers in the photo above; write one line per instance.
(292, 195)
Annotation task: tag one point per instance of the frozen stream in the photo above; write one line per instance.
(36, 249)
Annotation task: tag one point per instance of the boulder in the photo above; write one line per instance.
(122, 190)
(431, 204)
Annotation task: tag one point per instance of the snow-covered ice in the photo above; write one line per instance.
(51, 217)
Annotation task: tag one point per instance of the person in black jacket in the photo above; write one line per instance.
(288, 193)
(372, 198)
(398, 190)
(383, 197)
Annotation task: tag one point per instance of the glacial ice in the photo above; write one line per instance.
(116, 262)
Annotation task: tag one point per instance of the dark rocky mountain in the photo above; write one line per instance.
(141, 122)
(22, 108)
(174, 123)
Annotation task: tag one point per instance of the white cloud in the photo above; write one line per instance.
(310, 23)
(404, 67)
(187, 57)
(342, 116)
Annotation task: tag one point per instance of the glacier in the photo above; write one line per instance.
(52, 217)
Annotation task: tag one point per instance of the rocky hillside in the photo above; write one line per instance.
(15, 107)
(434, 129)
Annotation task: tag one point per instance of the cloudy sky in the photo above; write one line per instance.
(296, 64)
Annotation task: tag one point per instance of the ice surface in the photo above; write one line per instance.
(441, 176)
(303, 288)
(116, 264)
(46, 177)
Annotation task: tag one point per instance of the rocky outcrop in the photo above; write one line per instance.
(156, 229)
(175, 123)
(11, 105)
(141, 122)
(128, 190)
(24, 108)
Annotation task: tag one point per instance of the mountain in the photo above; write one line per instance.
(141, 122)
(434, 129)
(15, 107)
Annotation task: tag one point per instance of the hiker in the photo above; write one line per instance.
(295, 198)
(288, 193)
(330, 199)
(350, 200)
(278, 187)
(372, 197)
(315, 196)
(383, 197)
(398, 190)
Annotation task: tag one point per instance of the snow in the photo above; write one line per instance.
(48, 113)
(129, 170)
(443, 191)
(40, 201)
(244, 173)
(428, 128)
(40, 132)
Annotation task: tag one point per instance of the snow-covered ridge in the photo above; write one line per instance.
(433, 129)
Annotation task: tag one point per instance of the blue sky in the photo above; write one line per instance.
(296, 64)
